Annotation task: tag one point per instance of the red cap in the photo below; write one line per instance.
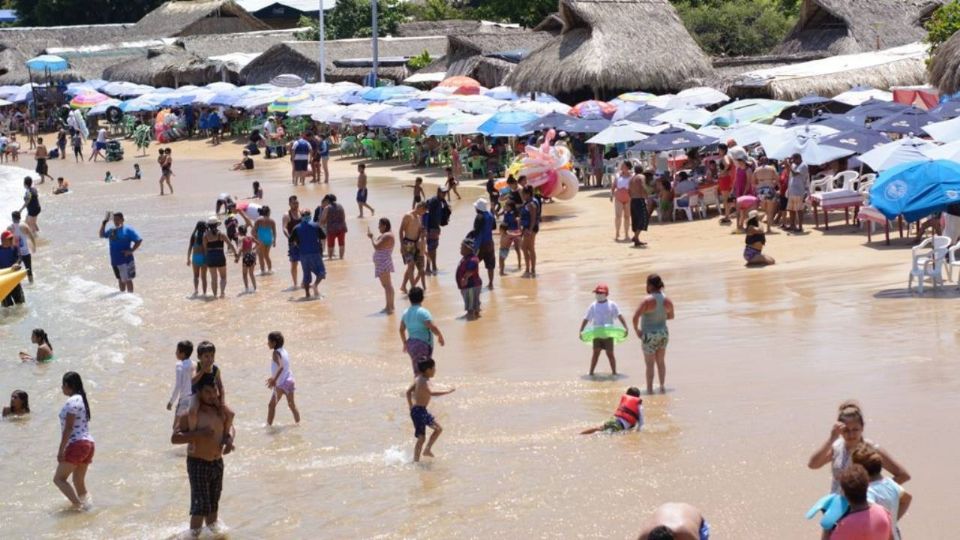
(602, 289)
(6, 234)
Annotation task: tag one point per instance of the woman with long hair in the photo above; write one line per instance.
(196, 257)
(214, 245)
(76, 445)
(19, 404)
(383, 260)
(44, 349)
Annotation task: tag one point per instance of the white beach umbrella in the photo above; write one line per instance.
(469, 125)
(360, 113)
(308, 107)
(431, 114)
(949, 151)
(475, 104)
(947, 131)
(220, 86)
(287, 80)
(540, 107)
(861, 94)
(701, 96)
(692, 115)
(618, 132)
(101, 108)
(388, 117)
(749, 134)
(331, 114)
(906, 150)
(257, 99)
(805, 142)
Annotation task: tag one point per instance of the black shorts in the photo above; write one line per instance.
(206, 484)
(603, 344)
(362, 195)
(300, 165)
(783, 203)
(41, 166)
(639, 220)
(488, 254)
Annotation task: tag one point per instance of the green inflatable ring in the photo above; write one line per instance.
(618, 333)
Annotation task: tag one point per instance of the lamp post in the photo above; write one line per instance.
(322, 48)
(373, 25)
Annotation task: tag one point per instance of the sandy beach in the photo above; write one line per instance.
(758, 361)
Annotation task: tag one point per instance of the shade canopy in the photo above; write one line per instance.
(917, 189)
(47, 62)
(673, 139)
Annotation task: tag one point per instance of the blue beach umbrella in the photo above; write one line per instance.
(916, 190)
(383, 93)
(873, 109)
(859, 141)
(443, 126)
(673, 139)
(47, 62)
(507, 124)
(565, 122)
(908, 121)
(950, 109)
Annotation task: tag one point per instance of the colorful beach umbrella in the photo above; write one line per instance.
(458, 82)
(283, 104)
(47, 62)
(635, 97)
(916, 190)
(593, 109)
(507, 124)
(85, 100)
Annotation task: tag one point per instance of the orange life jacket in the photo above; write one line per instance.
(629, 410)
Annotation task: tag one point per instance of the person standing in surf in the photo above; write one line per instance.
(31, 203)
(124, 241)
(290, 221)
(601, 314)
(182, 387)
(650, 324)
(281, 378)
(76, 444)
(418, 323)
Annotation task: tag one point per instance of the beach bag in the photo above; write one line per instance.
(445, 214)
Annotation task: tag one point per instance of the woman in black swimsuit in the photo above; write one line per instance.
(166, 169)
(755, 241)
(214, 243)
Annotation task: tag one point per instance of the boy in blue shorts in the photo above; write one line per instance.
(418, 397)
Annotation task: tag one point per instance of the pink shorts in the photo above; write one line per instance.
(747, 201)
(287, 386)
(79, 453)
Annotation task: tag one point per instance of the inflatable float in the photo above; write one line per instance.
(9, 279)
(618, 333)
(547, 168)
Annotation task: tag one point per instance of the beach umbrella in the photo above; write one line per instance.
(504, 93)
(746, 111)
(75, 88)
(946, 131)
(701, 96)
(308, 107)
(548, 121)
(442, 126)
(458, 81)
(126, 89)
(331, 114)
(4, 103)
(634, 97)
(749, 134)
(428, 116)
(470, 125)
(47, 62)
(87, 100)
(949, 151)
(860, 94)
(220, 86)
(618, 132)
(101, 108)
(835, 121)
(593, 109)
(475, 104)
(352, 96)
(469, 91)
(541, 107)
(890, 155)
(873, 109)
(146, 102)
(388, 117)
(282, 104)
(287, 80)
(258, 98)
(637, 112)
(383, 93)
(673, 139)
(507, 124)
(810, 106)
(564, 122)
(917, 189)
(804, 141)
(949, 109)
(859, 140)
(359, 114)
(910, 120)
(692, 116)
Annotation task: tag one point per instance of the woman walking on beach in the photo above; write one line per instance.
(383, 260)
(166, 169)
(845, 436)
(650, 324)
(214, 244)
(620, 196)
(76, 444)
(196, 258)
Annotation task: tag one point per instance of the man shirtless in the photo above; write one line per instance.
(412, 247)
(362, 190)
(203, 432)
(675, 521)
(290, 220)
(638, 205)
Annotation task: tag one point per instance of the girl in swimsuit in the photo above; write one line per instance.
(214, 244)
(44, 348)
(196, 258)
(166, 170)
(248, 248)
(383, 260)
(266, 231)
(530, 223)
(755, 240)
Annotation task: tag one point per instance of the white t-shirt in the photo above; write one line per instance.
(183, 388)
(623, 182)
(102, 136)
(81, 427)
(284, 363)
(886, 493)
(602, 313)
(20, 238)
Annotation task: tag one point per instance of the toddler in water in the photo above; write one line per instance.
(468, 279)
(418, 397)
(207, 370)
(505, 242)
(257, 191)
(109, 178)
(629, 414)
(281, 378)
(137, 175)
(248, 251)
(417, 191)
(601, 314)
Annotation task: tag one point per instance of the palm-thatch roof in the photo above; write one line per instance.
(608, 46)
(196, 17)
(945, 68)
(552, 24)
(466, 54)
(450, 27)
(171, 67)
(853, 26)
(899, 66)
(302, 57)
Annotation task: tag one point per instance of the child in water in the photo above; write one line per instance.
(137, 175)
(418, 397)
(468, 279)
(510, 219)
(107, 178)
(19, 404)
(505, 242)
(182, 391)
(629, 414)
(417, 191)
(601, 314)
(257, 191)
(44, 348)
(206, 369)
(62, 186)
(281, 378)
(248, 251)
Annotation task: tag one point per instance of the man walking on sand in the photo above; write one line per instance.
(203, 433)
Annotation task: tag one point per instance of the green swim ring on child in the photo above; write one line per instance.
(618, 333)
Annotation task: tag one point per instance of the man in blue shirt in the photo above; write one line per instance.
(325, 157)
(123, 242)
(307, 236)
(300, 151)
(10, 257)
(483, 226)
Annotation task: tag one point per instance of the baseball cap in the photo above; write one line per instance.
(602, 289)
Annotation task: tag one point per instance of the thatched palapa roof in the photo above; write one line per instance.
(853, 26)
(609, 46)
(301, 58)
(170, 66)
(195, 17)
(945, 68)
(899, 66)
(466, 54)
(450, 27)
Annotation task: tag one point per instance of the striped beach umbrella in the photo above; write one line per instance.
(593, 109)
(85, 100)
(283, 103)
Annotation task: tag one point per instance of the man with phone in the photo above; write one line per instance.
(123, 242)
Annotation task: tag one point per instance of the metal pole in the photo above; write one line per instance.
(373, 24)
(323, 52)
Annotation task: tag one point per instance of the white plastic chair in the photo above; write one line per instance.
(693, 203)
(709, 197)
(846, 179)
(952, 262)
(928, 262)
(865, 181)
(824, 183)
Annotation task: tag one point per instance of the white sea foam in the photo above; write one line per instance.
(111, 303)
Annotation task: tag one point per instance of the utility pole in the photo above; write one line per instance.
(323, 55)
(376, 61)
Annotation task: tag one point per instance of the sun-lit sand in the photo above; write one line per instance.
(758, 360)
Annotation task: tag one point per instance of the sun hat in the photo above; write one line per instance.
(213, 220)
(601, 288)
(753, 214)
(481, 205)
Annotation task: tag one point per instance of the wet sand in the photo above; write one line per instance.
(758, 361)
